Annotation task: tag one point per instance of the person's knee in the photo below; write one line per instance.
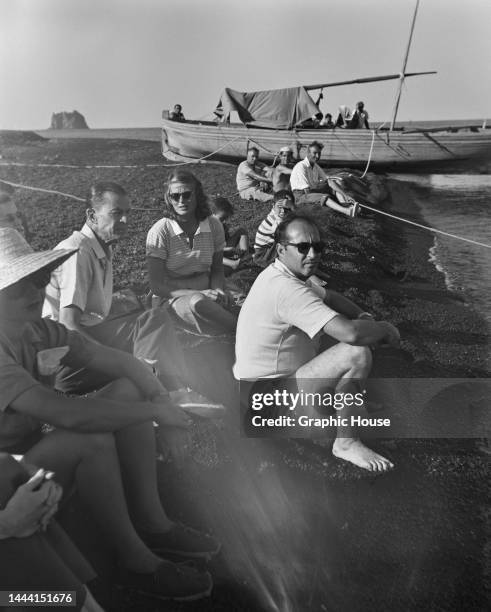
(360, 357)
(123, 389)
(196, 301)
(98, 444)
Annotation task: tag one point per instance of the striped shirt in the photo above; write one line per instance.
(265, 231)
(167, 241)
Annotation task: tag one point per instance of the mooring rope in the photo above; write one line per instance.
(425, 227)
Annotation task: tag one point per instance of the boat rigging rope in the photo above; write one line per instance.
(431, 229)
(376, 210)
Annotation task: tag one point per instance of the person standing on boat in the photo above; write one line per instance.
(359, 120)
(311, 185)
(278, 334)
(176, 114)
(250, 177)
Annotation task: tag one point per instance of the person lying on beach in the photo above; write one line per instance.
(279, 327)
(176, 114)
(104, 442)
(251, 178)
(10, 216)
(185, 259)
(80, 296)
(237, 242)
(35, 552)
(280, 173)
(311, 185)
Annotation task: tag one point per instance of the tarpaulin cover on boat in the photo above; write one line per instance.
(274, 108)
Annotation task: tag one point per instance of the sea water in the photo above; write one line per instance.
(459, 204)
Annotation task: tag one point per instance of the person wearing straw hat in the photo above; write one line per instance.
(104, 443)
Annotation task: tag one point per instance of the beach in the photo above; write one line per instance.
(301, 531)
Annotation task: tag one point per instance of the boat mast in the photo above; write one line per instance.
(403, 71)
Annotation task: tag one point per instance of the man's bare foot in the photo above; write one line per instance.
(354, 451)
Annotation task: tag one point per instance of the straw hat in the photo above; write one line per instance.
(286, 150)
(18, 259)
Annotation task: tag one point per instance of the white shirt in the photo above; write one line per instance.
(84, 280)
(278, 324)
(305, 176)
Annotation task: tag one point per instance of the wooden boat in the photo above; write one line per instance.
(397, 149)
(273, 119)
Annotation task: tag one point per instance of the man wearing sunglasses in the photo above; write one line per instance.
(311, 185)
(280, 325)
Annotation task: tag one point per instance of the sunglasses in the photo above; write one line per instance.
(177, 196)
(304, 247)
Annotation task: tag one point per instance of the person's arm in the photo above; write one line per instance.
(362, 332)
(259, 177)
(93, 414)
(217, 276)
(342, 304)
(159, 282)
(70, 317)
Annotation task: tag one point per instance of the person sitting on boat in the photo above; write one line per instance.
(176, 114)
(236, 242)
(282, 169)
(327, 122)
(80, 296)
(359, 119)
(251, 177)
(277, 347)
(344, 116)
(103, 443)
(185, 259)
(311, 185)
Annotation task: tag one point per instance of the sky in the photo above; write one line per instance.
(121, 62)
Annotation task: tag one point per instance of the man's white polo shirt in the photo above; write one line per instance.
(304, 176)
(278, 323)
(84, 280)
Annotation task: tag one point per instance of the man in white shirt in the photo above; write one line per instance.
(279, 327)
(311, 185)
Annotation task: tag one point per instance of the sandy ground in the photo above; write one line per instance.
(300, 530)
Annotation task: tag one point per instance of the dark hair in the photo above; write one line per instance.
(188, 178)
(220, 204)
(97, 190)
(328, 115)
(315, 143)
(282, 194)
(253, 149)
(280, 235)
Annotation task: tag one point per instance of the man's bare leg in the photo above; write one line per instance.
(346, 367)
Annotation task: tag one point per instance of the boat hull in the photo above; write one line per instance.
(397, 150)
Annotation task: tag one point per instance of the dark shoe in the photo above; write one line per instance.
(169, 581)
(183, 541)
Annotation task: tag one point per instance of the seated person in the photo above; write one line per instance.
(359, 120)
(312, 122)
(327, 122)
(344, 116)
(176, 114)
(105, 442)
(35, 552)
(10, 216)
(264, 248)
(278, 331)
(185, 259)
(251, 178)
(311, 185)
(282, 169)
(237, 242)
(80, 296)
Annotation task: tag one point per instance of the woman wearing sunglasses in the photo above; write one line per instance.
(185, 258)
